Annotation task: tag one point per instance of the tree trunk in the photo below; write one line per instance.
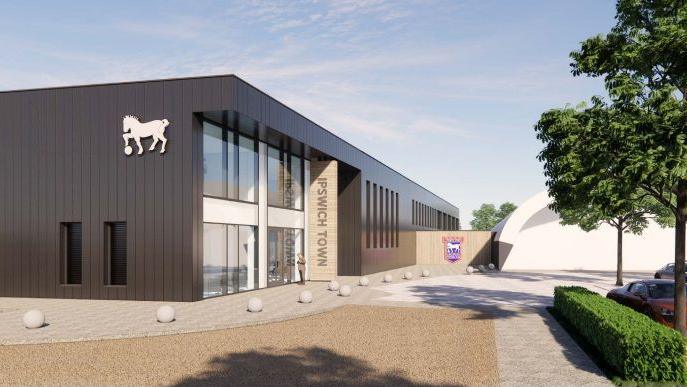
(680, 295)
(619, 253)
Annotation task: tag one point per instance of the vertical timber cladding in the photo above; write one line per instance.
(322, 222)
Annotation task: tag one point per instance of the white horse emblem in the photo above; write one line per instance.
(134, 128)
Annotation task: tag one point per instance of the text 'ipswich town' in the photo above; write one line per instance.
(322, 221)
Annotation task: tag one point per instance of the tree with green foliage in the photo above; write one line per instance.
(577, 145)
(487, 216)
(643, 60)
(505, 209)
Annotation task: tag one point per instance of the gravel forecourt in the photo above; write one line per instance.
(351, 345)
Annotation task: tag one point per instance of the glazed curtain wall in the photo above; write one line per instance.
(230, 259)
(230, 164)
(284, 179)
(242, 178)
(283, 246)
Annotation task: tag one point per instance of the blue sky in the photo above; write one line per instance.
(446, 92)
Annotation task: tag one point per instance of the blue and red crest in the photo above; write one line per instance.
(453, 248)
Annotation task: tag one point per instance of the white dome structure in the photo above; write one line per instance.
(532, 238)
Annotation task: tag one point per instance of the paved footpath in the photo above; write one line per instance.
(532, 347)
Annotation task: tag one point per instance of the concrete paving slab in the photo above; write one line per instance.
(532, 347)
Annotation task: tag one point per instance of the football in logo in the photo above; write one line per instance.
(135, 130)
(453, 249)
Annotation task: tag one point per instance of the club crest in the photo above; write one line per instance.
(453, 248)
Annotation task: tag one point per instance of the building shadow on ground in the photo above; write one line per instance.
(486, 302)
(585, 276)
(504, 304)
(312, 366)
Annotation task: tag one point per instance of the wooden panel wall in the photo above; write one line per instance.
(477, 247)
(322, 222)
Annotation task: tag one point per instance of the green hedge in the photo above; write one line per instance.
(637, 347)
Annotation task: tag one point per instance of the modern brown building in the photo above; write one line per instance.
(184, 189)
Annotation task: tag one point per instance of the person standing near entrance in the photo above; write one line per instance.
(301, 268)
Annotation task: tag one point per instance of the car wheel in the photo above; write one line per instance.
(657, 276)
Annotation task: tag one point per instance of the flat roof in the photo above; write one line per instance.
(249, 84)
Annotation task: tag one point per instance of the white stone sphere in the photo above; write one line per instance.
(333, 285)
(128, 150)
(470, 269)
(425, 273)
(364, 281)
(33, 319)
(345, 291)
(388, 278)
(254, 304)
(408, 275)
(305, 297)
(165, 314)
(492, 266)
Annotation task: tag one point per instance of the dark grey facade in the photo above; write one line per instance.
(61, 161)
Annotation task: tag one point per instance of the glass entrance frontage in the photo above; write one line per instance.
(283, 245)
(232, 157)
(230, 259)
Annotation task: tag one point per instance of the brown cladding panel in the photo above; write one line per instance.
(64, 162)
(165, 186)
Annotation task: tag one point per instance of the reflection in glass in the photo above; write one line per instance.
(248, 258)
(230, 164)
(214, 259)
(284, 179)
(294, 245)
(296, 183)
(274, 256)
(283, 245)
(230, 259)
(214, 162)
(248, 160)
(289, 255)
(275, 177)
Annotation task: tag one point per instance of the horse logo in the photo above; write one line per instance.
(453, 248)
(134, 128)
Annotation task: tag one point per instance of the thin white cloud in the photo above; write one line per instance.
(175, 28)
(351, 114)
(288, 24)
(377, 62)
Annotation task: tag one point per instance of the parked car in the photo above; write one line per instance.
(666, 272)
(654, 298)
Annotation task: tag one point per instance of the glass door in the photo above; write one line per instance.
(232, 259)
(275, 258)
(283, 245)
(214, 260)
(248, 258)
(289, 255)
